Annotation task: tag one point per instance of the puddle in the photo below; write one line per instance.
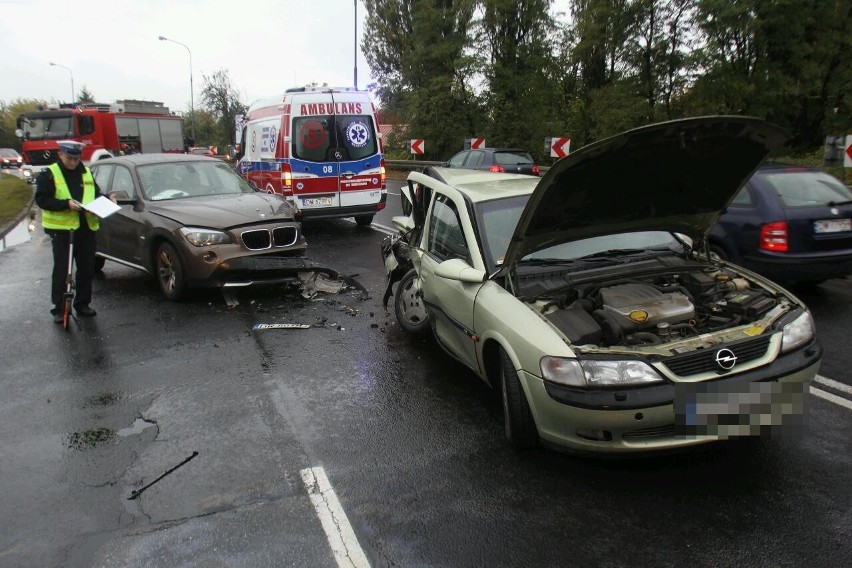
(89, 439)
(137, 427)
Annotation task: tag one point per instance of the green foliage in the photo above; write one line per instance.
(15, 195)
(421, 52)
(221, 101)
(9, 113)
(84, 96)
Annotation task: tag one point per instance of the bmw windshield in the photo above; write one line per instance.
(176, 180)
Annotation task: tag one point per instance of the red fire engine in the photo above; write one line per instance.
(128, 126)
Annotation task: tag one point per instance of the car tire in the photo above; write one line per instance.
(169, 272)
(408, 305)
(364, 220)
(99, 263)
(518, 421)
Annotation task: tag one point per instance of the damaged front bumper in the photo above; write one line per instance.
(397, 259)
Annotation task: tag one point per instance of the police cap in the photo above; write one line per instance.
(71, 147)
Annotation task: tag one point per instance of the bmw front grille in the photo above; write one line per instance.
(260, 239)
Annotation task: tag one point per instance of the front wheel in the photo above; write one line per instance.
(408, 304)
(519, 424)
(170, 273)
(66, 310)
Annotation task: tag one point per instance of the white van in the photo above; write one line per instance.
(320, 148)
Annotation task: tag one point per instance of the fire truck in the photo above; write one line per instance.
(318, 147)
(128, 126)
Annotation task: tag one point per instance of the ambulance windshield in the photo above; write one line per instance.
(334, 138)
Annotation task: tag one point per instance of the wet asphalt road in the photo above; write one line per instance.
(410, 441)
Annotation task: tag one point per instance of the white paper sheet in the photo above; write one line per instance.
(102, 207)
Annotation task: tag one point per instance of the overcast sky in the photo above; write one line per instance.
(111, 47)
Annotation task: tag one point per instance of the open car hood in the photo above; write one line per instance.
(674, 176)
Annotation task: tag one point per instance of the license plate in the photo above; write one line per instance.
(316, 201)
(833, 226)
(732, 410)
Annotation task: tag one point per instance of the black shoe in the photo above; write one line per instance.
(86, 312)
(57, 317)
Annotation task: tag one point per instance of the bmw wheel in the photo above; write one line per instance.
(521, 431)
(408, 304)
(170, 273)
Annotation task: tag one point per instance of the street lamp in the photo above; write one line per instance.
(191, 95)
(73, 97)
(356, 44)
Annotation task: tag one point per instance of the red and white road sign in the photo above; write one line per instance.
(417, 146)
(559, 147)
(847, 155)
(477, 143)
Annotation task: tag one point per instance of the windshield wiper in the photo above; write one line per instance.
(836, 203)
(544, 261)
(631, 253)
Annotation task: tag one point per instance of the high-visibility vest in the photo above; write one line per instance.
(68, 219)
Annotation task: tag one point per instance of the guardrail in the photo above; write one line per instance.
(409, 165)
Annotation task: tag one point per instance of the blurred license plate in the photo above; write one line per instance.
(732, 410)
(833, 226)
(316, 201)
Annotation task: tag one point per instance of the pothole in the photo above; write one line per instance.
(89, 439)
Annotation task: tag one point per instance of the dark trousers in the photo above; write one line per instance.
(84, 258)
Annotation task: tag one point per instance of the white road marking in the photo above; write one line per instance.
(383, 229)
(831, 397)
(341, 537)
(833, 384)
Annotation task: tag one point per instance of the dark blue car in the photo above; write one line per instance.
(789, 223)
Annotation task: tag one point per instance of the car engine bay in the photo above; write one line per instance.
(655, 310)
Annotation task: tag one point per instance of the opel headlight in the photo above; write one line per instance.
(798, 332)
(204, 237)
(598, 372)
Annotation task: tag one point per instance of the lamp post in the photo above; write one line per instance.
(191, 94)
(73, 97)
(356, 44)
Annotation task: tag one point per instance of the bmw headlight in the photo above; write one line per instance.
(798, 332)
(204, 237)
(598, 372)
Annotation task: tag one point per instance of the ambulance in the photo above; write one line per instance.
(320, 148)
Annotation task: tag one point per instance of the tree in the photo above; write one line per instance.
(420, 53)
(9, 113)
(785, 60)
(85, 96)
(222, 101)
(520, 80)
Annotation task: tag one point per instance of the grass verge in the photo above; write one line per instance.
(15, 195)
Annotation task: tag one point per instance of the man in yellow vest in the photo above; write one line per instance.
(59, 189)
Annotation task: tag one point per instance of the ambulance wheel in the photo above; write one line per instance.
(170, 273)
(364, 220)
